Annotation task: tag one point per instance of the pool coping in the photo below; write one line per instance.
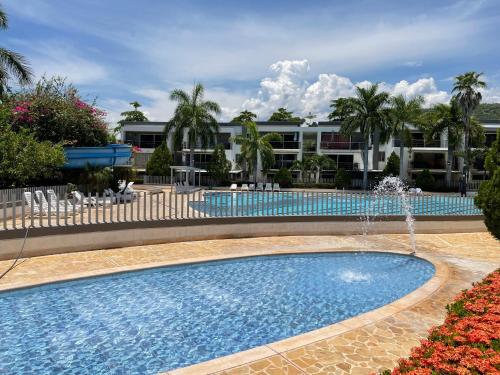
(420, 294)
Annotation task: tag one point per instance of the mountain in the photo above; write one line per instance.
(488, 111)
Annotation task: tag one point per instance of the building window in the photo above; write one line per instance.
(144, 140)
(381, 156)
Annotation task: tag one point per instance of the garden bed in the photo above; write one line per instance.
(469, 340)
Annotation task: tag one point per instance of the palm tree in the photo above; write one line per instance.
(317, 163)
(12, 63)
(244, 116)
(302, 166)
(194, 116)
(366, 112)
(468, 97)
(444, 118)
(403, 112)
(253, 146)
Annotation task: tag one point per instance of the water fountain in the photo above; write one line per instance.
(387, 188)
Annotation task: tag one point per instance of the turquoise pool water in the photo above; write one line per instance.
(298, 203)
(154, 320)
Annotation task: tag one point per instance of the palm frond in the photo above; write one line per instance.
(16, 64)
(3, 19)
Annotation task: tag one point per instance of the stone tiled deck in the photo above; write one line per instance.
(357, 346)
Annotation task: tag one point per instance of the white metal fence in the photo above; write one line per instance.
(45, 210)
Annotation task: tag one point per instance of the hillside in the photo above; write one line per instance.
(488, 112)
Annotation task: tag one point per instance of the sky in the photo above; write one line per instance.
(256, 55)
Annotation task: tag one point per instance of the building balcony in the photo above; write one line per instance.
(332, 145)
(285, 145)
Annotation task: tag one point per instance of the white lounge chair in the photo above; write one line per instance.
(79, 198)
(260, 186)
(44, 204)
(269, 187)
(276, 187)
(251, 187)
(64, 205)
(128, 193)
(233, 187)
(419, 191)
(32, 204)
(244, 187)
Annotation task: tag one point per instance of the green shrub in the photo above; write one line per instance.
(24, 160)
(488, 197)
(283, 177)
(392, 165)
(160, 162)
(342, 179)
(425, 180)
(219, 167)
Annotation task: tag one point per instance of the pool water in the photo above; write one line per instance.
(298, 203)
(148, 321)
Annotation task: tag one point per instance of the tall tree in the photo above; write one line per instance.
(194, 116)
(404, 112)
(440, 119)
(283, 115)
(253, 145)
(12, 64)
(468, 97)
(134, 115)
(244, 116)
(365, 112)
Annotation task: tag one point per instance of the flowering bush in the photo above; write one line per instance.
(469, 340)
(53, 111)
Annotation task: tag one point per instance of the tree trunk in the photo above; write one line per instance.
(449, 163)
(365, 165)
(255, 168)
(191, 164)
(401, 157)
(376, 147)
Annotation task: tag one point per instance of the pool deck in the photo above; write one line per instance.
(361, 345)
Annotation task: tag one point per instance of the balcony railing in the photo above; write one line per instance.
(424, 143)
(210, 146)
(331, 145)
(290, 145)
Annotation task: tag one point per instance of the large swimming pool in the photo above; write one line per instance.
(155, 320)
(218, 203)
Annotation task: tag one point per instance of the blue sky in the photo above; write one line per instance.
(257, 55)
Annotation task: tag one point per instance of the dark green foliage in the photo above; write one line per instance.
(160, 162)
(219, 166)
(283, 177)
(392, 165)
(342, 179)
(95, 179)
(425, 180)
(24, 160)
(488, 197)
(244, 116)
(132, 116)
(283, 115)
(488, 111)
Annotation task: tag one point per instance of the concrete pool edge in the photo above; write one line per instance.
(59, 240)
(224, 363)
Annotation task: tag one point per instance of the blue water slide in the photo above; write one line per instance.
(106, 156)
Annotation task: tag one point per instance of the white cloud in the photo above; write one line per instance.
(289, 88)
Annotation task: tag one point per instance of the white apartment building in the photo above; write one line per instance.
(300, 140)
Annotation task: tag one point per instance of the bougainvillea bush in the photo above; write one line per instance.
(53, 111)
(469, 340)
